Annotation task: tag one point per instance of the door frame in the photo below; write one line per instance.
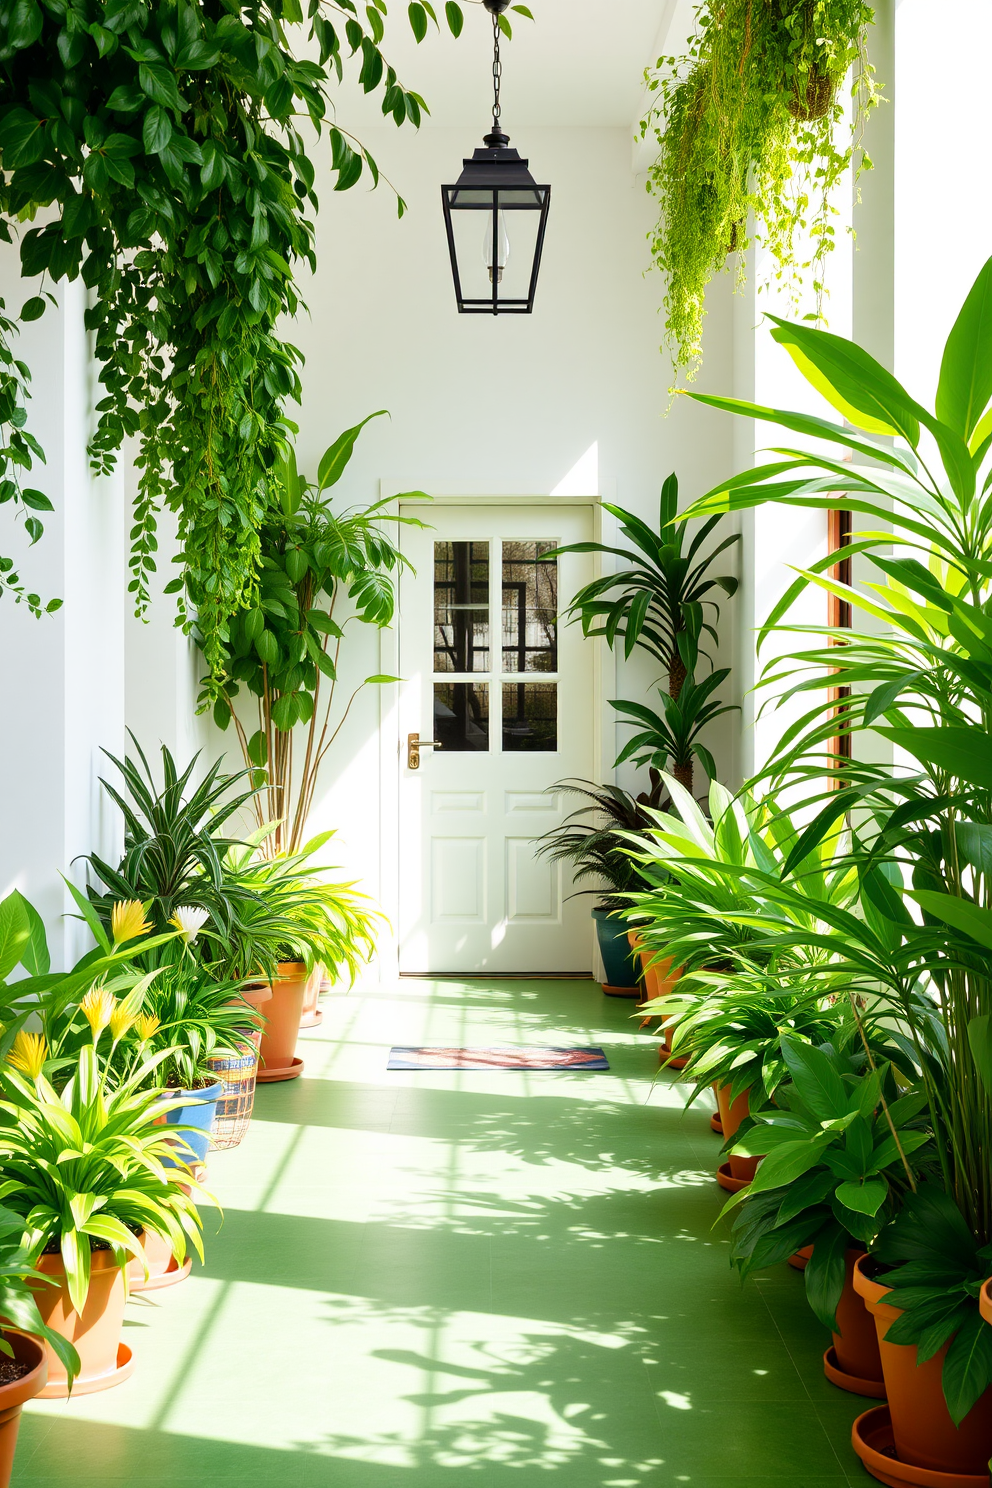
(390, 742)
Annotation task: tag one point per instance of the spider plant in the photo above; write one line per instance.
(83, 1166)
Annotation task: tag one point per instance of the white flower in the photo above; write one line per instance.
(189, 920)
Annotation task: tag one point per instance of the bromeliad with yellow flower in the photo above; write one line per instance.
(127, 921)
(28, 1054)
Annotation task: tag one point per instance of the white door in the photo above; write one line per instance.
(507, 694)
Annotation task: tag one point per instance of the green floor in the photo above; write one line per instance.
(427, 1278)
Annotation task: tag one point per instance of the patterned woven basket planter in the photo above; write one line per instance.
(237, 1074)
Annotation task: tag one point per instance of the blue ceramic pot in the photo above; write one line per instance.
(199, 1116)
(618, 958)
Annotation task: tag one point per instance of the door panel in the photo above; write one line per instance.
(507, 694)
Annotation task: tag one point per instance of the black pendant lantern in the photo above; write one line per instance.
(495, 216)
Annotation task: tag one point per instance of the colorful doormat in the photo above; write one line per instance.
(497, 1056)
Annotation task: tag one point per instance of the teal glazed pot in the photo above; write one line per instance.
(618, 961)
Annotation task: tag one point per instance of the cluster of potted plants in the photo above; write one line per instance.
(833, 923)
(115, 1075)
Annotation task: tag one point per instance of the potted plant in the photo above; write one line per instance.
(751, 127)
(282, 655)
(834, 1150)
(23, 1339)
(920, 677)
(589, 841)
(86, 1170)
(665, 605)
(297, 920)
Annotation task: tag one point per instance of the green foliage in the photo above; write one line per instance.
(85, 1164)
(188, 1010)
(664, 605)
(165, 140)
(18, 1300)
(285, 650)
(747, 124)
(596, 848)
(938, 1271)
(835, 1149)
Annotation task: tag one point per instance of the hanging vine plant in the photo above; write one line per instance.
(167, 138)
(752, 128)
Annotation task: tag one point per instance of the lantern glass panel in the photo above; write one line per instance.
(505, 235)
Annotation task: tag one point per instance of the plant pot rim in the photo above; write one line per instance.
(873, 1292)
(18, 1391)
(291, 969)
(985, 1300)
(872, 1439)
(204, 1094)
(100, 1260)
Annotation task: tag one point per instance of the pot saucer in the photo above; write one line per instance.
(716, 1124)
(874, 1389)
(280, 1072)
(312, 1020)
(620, 991)
(726, 1179)
(871, 1438)
(58, 1390)
(174, 1273)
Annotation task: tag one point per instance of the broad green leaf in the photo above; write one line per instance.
(980, 1042)
(15, 933)
(817, 1082)
(964, 753)
(965, 385)
(825, 1273)
(967, 1371)
(455, 17)
(418, 20)
(334, 460)
(864, 1198)
(851, 381)
(960, 914)
(35, 958)
(789, 1162)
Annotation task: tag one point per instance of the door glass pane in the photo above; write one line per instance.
(461, 716)
(530, 608)
(461, 607)
(530, 716)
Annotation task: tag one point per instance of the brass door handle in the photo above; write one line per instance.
(414, 744)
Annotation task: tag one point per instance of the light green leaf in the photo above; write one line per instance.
(965, 384)
(980, 1042)
(15, 932)
(863, 1198)
(334, 460)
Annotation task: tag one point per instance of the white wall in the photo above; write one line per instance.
(572, 399)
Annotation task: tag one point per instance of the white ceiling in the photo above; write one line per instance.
(579, 62)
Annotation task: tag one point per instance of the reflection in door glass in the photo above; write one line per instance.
(530, 608)
(461, 607)
(461, 716)
(530, 716)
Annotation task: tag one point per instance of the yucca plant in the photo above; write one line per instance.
(665, 604)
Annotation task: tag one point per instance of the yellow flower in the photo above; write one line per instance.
(146, 1024)
(29, 1054)
(127, 920)
(97, 1007)
(120, 1021)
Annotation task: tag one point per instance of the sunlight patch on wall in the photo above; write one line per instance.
(583, 478)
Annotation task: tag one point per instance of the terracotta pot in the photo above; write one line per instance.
(853, 1362)
(732, 1113)
(255, 996)
(163, 1268)
(985, 1301)
(923, 1433)
(282, 1021)
(30, 1351)
(96, 1331)
(312, 1017)
(800, 1260)
(715, 1123)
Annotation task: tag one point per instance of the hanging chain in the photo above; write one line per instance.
(497, 73)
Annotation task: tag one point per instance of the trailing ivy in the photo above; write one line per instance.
(167, 138)
(751, 128)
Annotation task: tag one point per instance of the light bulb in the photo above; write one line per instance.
(496, 260)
